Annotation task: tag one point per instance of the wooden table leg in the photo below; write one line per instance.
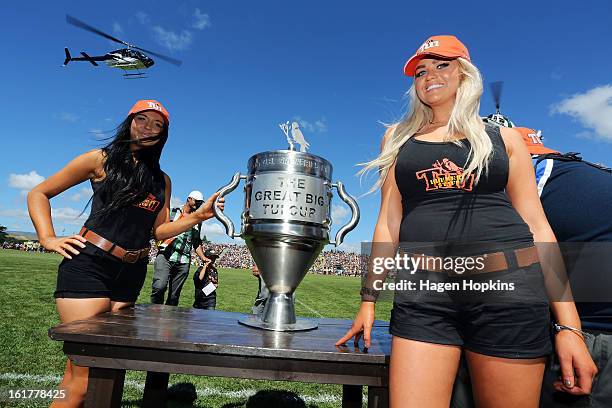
(104, 388)
(378, 397)
(156, 390)
(351, 396)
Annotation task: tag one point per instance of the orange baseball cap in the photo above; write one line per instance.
(150, 104)
(447, 46)
(533, 141)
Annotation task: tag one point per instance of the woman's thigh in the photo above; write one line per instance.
(70, 309)
(504, 382)
(422, 374)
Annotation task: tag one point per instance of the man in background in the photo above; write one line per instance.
(576, 196)
(262, 292)
(173, 260)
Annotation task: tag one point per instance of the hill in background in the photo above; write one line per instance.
(22, 235)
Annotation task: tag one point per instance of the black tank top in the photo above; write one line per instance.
(440, 205)
(129, 226)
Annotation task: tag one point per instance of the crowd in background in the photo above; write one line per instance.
(328, 263)
(23, 246)
(238, 256)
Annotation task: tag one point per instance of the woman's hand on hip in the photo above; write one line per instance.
(64, 246)
(577, 366)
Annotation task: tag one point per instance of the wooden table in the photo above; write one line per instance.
(165, 339)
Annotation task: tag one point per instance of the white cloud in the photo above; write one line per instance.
(175, 202)
(172, 40)
(25, 182)
(142, 17)
(339, 213)
(67, 117)
(68, 215)
(14, 213)
(556, 75)
(212, 229)
(83, 194)
(99, 133)
(117, 28)
(319, 126)
(201, 20)
(593, 109)
(62, 217)
(585, 134)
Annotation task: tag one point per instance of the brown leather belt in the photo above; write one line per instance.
(492, 262)
(129, 256)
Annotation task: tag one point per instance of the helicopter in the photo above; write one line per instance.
(497, 119)
(127, 59)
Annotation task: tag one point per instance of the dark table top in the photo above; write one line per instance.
(213, 331)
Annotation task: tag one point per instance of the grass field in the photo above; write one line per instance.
(30, 360)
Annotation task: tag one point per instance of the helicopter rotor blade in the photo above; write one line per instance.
(496, 88)
(164, 57)
(78, 23)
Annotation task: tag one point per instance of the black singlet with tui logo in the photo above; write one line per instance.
(442, 205)
(130, 226)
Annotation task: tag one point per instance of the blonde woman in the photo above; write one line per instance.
(446, 178)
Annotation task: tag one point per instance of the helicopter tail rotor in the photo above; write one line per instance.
(68, 57)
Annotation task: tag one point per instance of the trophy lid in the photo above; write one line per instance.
(290, 161)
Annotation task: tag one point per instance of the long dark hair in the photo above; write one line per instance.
(130, 176)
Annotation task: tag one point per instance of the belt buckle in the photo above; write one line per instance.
(131, 256)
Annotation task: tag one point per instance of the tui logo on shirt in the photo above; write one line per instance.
(150, 203)
(444, 174)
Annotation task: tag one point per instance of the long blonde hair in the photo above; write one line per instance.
(464, 121)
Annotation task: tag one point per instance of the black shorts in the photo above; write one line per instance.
(500, 323)
(96, 274)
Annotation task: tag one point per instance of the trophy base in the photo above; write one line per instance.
(299, 325)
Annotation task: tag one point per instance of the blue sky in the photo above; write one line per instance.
(335, 66)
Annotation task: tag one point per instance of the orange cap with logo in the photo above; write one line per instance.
(447, 46)
(533, 140)
(150, 104)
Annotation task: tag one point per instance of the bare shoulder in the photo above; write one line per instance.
(95, 156)
(94, 160)
(513, 140)
(388, 134)
(511, 136)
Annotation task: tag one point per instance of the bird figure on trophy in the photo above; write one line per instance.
(296, 135)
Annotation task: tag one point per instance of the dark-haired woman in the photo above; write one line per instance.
(105, 265)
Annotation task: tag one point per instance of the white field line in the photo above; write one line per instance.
(201, 392)
(308, 307)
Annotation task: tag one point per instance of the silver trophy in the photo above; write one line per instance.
(286, 223)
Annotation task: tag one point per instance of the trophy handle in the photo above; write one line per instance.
(219, 215)
(355, 214)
